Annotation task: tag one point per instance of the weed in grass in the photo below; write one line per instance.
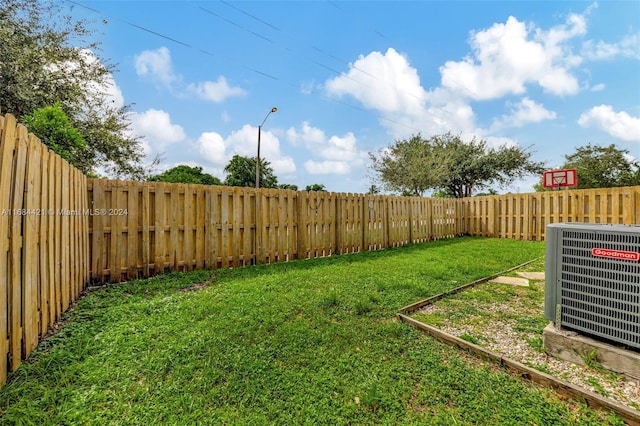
(432, 318)
(534, 324)
(330, 301)
(375, 298)
(381, 287)
(590, 359)
(472, 339)
(536, 343)
(372, 398)
(540, 366)
(613, 376)
(614, 420)
(458, 311)
(597, 386)
(362, 307)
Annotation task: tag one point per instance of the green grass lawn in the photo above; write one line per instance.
(307, 342)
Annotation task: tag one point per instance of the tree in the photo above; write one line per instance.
(407, 166)
(288, 186)
(45, 59)
(449, 165)
(241, 171)
(373, 190)
(54, 129)
(602, 167)
(186, 174)
(490, 191)
(316, 187)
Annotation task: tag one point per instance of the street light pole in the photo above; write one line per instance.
(274, 109)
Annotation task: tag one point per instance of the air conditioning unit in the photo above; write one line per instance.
(592, 282)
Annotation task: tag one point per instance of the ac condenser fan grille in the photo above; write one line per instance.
(595, 278)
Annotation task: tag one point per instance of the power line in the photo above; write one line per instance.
(334, 4)
(235, 24)
(231, 5)
(169, 38)
(264, 22)
(239, 64)
(330, 55)
(374, 30)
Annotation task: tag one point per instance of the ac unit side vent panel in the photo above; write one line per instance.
(593, 277)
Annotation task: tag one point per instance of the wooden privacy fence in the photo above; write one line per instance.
(44, 256)
(60, 230)
(145, 228)
(526, 216)
(138, 229)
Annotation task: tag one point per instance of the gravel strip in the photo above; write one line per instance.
(494, 326)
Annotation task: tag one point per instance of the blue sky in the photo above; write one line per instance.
(349, 78)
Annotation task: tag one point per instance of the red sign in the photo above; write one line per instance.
(558, 178)
(615, 254)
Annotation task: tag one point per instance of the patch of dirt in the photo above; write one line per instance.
(501, 326)
(197, 286)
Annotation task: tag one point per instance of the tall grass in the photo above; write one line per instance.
(308, 342)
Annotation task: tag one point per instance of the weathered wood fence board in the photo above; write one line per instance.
(60, 230)
(44, 256)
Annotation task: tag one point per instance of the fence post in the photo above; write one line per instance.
(300, 228)
(145, 230)
(339, 226)
(410, 219)
(388, 207)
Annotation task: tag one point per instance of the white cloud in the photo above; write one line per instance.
(620, 125)
(396, 86)
(306, 135)
(283, 166)
(445, 111)
(396, 92)
(628, 47)
(598, 87)
(506, 57)
(212, 148)
(327, 167)
(157, 65)
(524, 112)
(215, 91)
(245, 142)
(341, 149)
(156, 130)
(218, 150)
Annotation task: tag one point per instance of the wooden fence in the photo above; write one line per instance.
(526, 216)
(60, 230)
(44, 256)
(138, 229)
(144, 228)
